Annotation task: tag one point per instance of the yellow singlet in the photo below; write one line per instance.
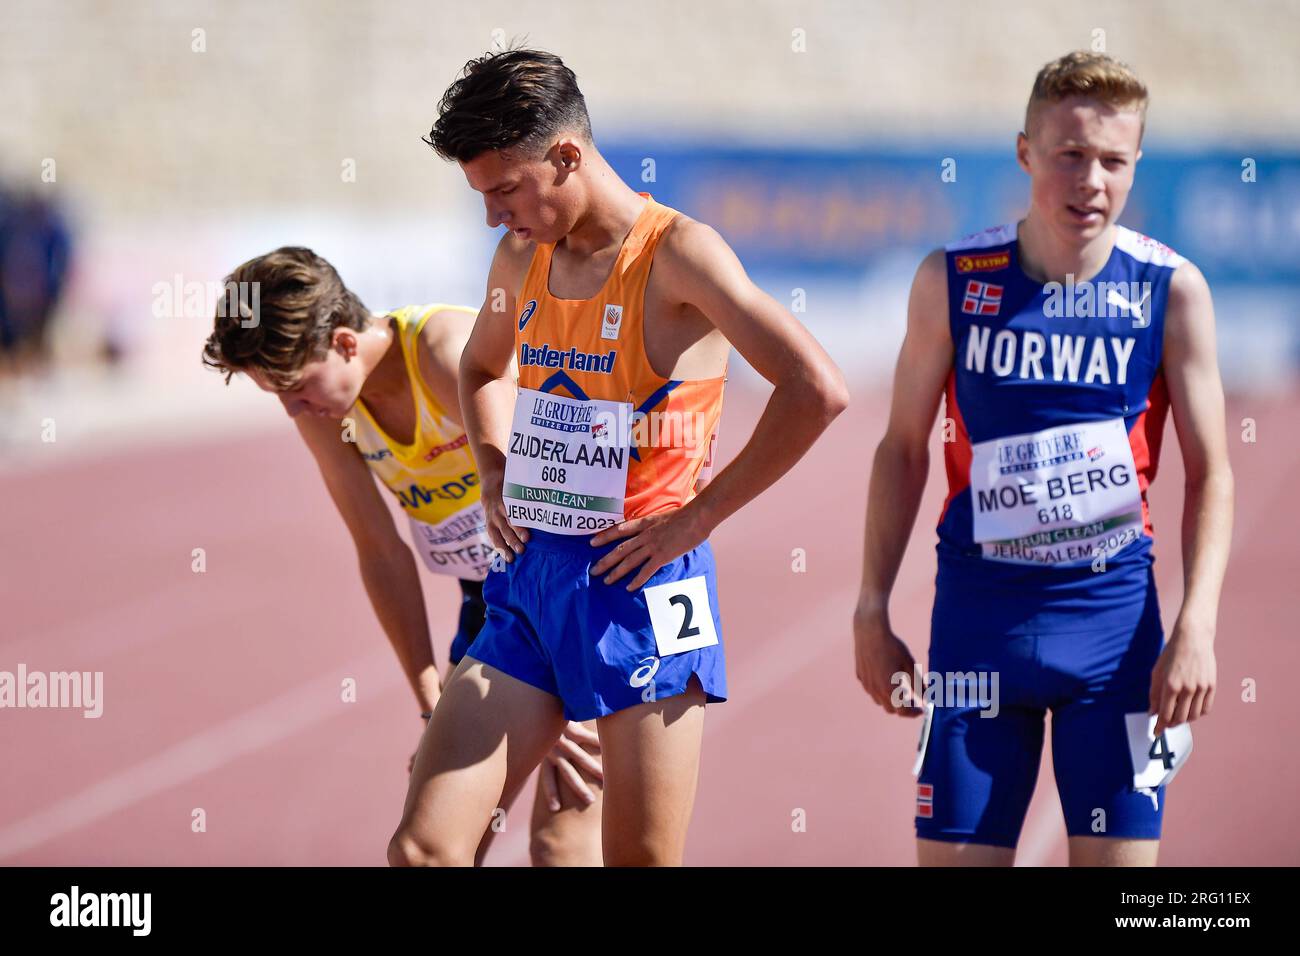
(434, 477)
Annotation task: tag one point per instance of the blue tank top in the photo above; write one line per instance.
(1055, 408)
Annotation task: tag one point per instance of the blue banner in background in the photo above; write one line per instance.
(1237, 218)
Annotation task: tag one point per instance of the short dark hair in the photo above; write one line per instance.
(300, 302)
(510, 99)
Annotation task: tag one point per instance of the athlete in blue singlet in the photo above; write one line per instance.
(1058, 345)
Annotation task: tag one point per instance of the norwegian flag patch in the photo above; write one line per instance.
(981, 298)
(925, 800)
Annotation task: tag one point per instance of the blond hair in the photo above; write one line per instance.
(1093, 75)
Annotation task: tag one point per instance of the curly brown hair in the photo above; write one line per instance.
(513, 99)
(296, 301)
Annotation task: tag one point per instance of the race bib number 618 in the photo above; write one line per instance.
(1058, 496)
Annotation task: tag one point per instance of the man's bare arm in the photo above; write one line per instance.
(898, 475)
(388, 569)
(809, 389)
(809, 392)
(1183, 684)
(902, 460)
(487, 389)
(1196, 401)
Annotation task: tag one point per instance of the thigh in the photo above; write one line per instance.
(978, 775)
(487, 733)
(1113, 851)
(571, 835)
(938, 853)
(981, 759)
(651, 758)
(1094, 771)
(1090, 736)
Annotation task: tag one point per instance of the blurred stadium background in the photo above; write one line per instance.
(149, 147)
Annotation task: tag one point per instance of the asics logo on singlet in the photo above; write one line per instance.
(543, 356)
(645, 673)
(527, 314)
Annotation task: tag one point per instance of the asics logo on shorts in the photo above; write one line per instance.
(643, 674)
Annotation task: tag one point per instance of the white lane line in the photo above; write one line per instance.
(277, 719)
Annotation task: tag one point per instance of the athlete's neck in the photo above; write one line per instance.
(381, 358)
(612, 208)
(1045, 257)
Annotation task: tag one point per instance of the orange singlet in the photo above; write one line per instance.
(598, 435)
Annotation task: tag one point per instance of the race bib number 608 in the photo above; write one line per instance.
(566, 466)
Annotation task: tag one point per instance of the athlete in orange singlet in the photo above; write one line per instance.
(619, 315)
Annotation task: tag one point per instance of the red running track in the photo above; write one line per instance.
(222, 689)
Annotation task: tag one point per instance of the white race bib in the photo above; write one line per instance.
(1058, 496)
(1156, 759)
(458, 545)
(566, 466)
(681, 616)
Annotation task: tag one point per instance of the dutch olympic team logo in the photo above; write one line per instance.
(529, 308)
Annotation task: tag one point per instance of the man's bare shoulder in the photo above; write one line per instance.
(445, 330)
(685, 241)
(1188, 282)
(692, 256)
(513, 254)
(933, 270)
(1189, 314)
(447, 321)
(927, 310)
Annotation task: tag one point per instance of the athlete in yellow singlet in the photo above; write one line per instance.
(619, 315)
(375, 397)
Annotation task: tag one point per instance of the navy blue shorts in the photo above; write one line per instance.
(472, 614)
(599, 647)
(978, 772)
